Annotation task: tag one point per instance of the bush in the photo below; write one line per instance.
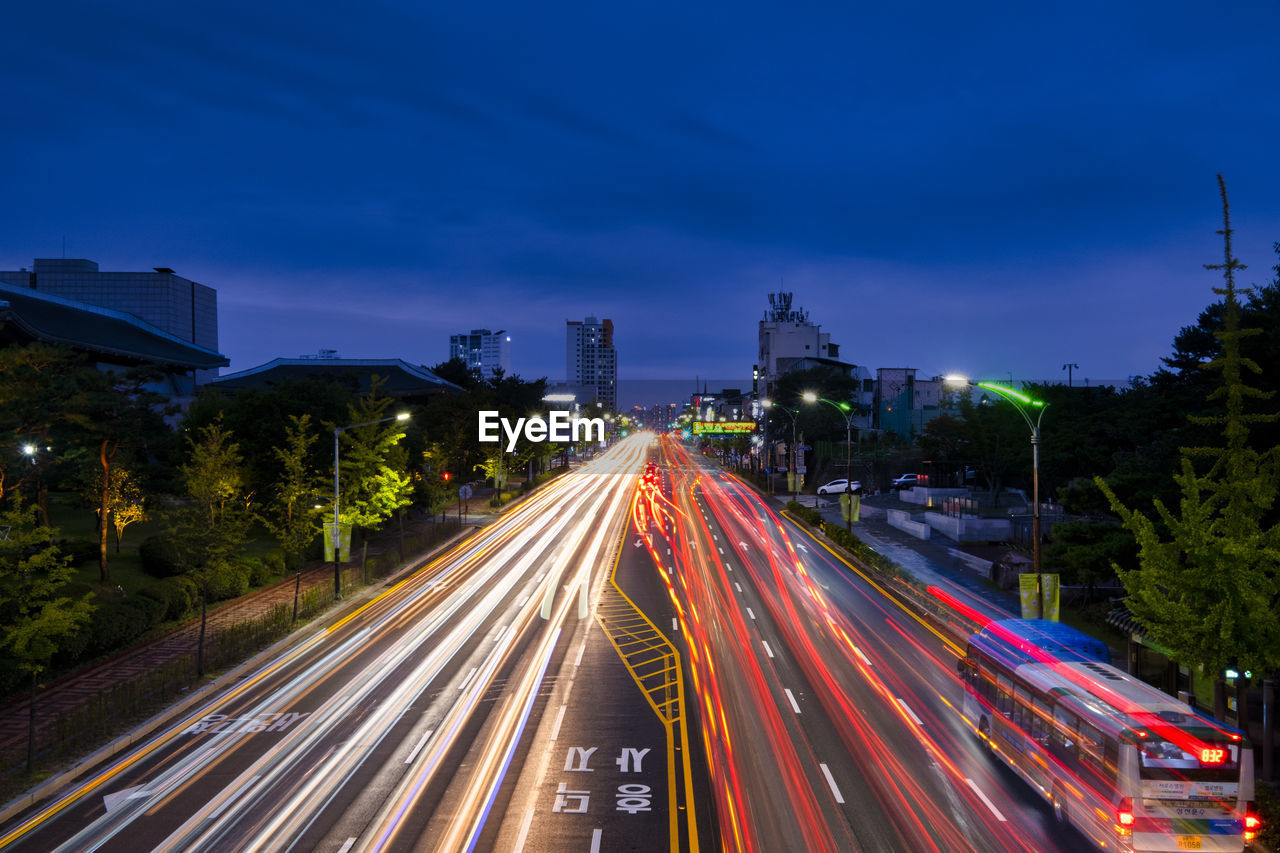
(804, 513)
(117, 623)
(178, 595)
(159, 557)
(1268, 803)
(225, 581)
(80, 551)
(259, 573)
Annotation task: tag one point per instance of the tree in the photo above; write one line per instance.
(126, 504)
(1208, 582)
(35, 612)
(216, 522)
(373, 479)
(294, 516)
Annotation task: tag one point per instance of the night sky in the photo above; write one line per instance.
(991, 190)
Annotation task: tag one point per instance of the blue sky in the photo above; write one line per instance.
(991, 190)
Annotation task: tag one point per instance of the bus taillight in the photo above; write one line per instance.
(1252, 823)
(1124, 815)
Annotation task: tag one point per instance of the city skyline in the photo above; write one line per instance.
(984, 192)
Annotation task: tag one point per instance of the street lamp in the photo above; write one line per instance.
(1022, 402)
(337, 431)
(795, 476)
(844, 410)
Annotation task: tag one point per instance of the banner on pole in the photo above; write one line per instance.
(344, 542)
(1031, 595)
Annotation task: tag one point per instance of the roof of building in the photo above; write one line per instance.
(114, 334)
(402, 379)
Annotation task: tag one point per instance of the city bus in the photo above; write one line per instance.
(1130, 767)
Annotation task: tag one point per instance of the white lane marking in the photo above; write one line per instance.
(794, 706)
(721, 550)
(498, 636)
(729, 567)
(595, 840)
(767, 650)
(555, 730)
(668, 552)
(522, 600)
(910, 713)
(835, 791)
(421, 743)
(995, 811)
(715, 537)
(859, 653)
(675, 625)
(467, 680)
(351, 842)
(751, 613)
(524, 832)
(738, 588)
(582, 648)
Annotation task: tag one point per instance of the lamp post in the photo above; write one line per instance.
(1022, 402)
(337, 431)
(843, 409)
(795, 475)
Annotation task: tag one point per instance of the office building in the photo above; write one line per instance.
(483, 350)
(591, 362)
(161, 298)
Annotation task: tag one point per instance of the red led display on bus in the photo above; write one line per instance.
(1212, 755)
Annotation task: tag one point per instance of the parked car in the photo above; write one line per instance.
(906, 481)
(838, 487)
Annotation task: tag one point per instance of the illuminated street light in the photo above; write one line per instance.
(1022, 402)
(844, 410)
(337, 431)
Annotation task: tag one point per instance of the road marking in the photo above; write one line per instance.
(859, 653)
(995, 811)
(767, 650)
(467, 680)
(715, 537)
(522, 600)
(524, 831)
(751, 613)
(910, 713)
(728, 567)
(835, 791)
(721, 550)
(351, 842)
(555, 730)
(795, 707)
(498, 636)
(668, 552)
(735, 586)
(595, 840)
(418, 748)
(582, 648)
(675, 625)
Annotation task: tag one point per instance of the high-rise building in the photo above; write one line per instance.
(162, 298)
(591, 362)
(483, 350)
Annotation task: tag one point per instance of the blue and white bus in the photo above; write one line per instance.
(1130, 767)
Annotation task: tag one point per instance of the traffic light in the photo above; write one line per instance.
(446, 476)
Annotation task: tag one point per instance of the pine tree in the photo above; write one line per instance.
(1208, 582)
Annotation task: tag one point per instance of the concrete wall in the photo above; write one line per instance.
(929, 497)
(969, 529)
(901, 519)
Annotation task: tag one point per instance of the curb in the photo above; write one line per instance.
(51, 786)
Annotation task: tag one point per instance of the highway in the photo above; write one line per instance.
(828, 711)
(673, 667)
(453, 709)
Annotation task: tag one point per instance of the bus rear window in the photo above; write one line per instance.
(1162, 759)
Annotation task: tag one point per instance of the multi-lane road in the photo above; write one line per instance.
(610, 666)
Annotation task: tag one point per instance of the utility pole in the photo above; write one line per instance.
(1070, 367)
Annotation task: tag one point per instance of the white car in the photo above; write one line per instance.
(906, 481)
(839, 487)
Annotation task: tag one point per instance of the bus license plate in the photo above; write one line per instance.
(1188, 842)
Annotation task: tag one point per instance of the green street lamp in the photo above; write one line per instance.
(337, 431)
(846, 412)
(1024, 404)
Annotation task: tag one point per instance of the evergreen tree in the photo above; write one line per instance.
(1208, 585)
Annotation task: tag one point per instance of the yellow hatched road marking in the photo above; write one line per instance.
(636, 638)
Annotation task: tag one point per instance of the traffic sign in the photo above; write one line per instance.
(464, 492)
